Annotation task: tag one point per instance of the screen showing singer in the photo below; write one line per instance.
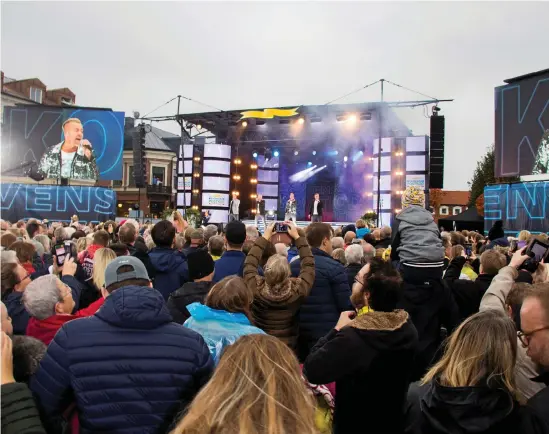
(73, 158)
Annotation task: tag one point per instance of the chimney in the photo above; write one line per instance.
(129, 123)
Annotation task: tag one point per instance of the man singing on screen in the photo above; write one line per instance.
(73, 158)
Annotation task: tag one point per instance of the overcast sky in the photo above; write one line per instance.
(136, 56)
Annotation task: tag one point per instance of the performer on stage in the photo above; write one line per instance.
(315, 210)
(73, 158)
(291, 209)
(260, 210)
(234, 208)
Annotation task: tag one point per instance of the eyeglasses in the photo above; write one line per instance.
(26, 277)
(525, 337)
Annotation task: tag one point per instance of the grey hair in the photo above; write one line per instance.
(252, 233)
(369, 251)
(45, 241)
(27, 354)
(337, 243)
(61, 234)
(9, 257)
(209, 231)
(41, 296)
(354, 254)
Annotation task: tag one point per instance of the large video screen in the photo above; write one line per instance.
(71, 143)
(522, 126)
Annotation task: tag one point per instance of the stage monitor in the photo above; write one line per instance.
(69, 143)
(522, 126)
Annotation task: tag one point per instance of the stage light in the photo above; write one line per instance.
(253, 196)
(195, 207)
(370, 194)
(253, 181)
(296, 153)
(301, 121)
(254, 154)
(345, 158)
(119, 205)
(130, 209)
(271, 213)
(276, 153)
(254, 211)
(399, 173)
(236, 177)
(336, 152)
(352, 118)
(309, 163)
(314, 152)
(397, 210)
(253, 166)
(198, 126)
(236, 192)
(357, 155)
(371, 158)
(196, 158)
(196, 175)
(237, 161)
(370, 176)
(244, 124)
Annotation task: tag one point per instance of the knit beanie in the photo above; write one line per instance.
(413, 196)
(200, 264)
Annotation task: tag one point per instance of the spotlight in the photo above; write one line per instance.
(276, 153)
(254, 154)
(301, 121)
(336, 152)
(352, 118)
(309, 163)
(236, 192)
(296, 153)
(129, 209)
(345, 158)
(314, 152)
(253, 166)
(244, 124)
(119, 205)
(198, 126)
(271, 212)
(196, 158)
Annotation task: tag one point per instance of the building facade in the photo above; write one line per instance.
(444, 203)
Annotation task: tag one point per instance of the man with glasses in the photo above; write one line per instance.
(534, 335)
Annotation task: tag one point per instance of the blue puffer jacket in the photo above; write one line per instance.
(219, 328)
(171, 270)
(129, 367)
(329, 296)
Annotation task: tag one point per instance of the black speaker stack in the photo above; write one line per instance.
(436, 153)
(139, 165)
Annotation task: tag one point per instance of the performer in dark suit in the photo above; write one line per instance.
(315, 210)
(234, 208)
(260, 210)
(206, 218)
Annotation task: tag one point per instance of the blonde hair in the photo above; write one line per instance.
(68, 121)
(524, 235)
(101, 259)
(541, 275)
(257, 388)
(276, 270)
(481, 351)
(83, 243)
(360, 224)
(339, 256)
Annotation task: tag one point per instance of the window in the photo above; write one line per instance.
(36, 95)
(457, 210)
(444, 210)
(158, 175)
(131, 180)
(117, 183)
(65, 100)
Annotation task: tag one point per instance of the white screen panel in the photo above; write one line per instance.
(416, 144)
(267, 175)
(188, 168)
(415, 162)
(180, 199)
(385, 164)
(267, 189)
(216, 166)
(385, 144)
(187, 151)
(385, 183)
(385, 201)
(416, 181)
(273, 162)
(385, 219)
(271, 205)
(217, 151)
(188, 182)
(216, 200)
(215, 183)
(219, 215)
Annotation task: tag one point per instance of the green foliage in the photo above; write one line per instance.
(370, 218)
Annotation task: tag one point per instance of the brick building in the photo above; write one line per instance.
(444, 203)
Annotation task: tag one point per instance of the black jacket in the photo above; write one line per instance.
(139, 251)
(352, 270)
(435, 409)
(261, 204)
(19, 413)
(467, 293)
(189, 293)
(319, 208)
(384, 243)
(370, 361)
(539, 403)
(431, 305)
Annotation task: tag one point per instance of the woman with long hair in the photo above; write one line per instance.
(256, 389)
(179, 222)
(224, 316)
(472, 388)
(277, 296)
(102, 258)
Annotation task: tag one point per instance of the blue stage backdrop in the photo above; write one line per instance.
(523, 205)
(28, 131)
(55, 203)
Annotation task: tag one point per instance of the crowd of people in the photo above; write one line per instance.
(128, 327)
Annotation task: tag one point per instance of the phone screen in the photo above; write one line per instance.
(281, 227)
(539, 251)
(60, 254)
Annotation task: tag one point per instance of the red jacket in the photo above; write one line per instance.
(46, 329)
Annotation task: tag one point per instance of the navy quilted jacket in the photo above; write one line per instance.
(329, 296)
(129, 368)
(171, 270)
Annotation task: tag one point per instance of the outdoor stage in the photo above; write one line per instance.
(299, 223)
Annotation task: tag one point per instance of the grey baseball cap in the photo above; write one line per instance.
(111, 272)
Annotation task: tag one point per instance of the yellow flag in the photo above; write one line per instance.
(269, 113)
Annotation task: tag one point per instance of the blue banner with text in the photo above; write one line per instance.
(56, 203)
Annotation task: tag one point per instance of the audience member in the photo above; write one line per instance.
(268, 251)
(82, 244)
(339, 256)
(127, 235)
(277, 297)
(25, 252)
(131, 345)
(496, 236)
(247, 246)
(369, 252)
(252, 233)
(361, 228)
(368, 350)
(209, 232)
(349, 237)
(100, 240)
(256, 389)
(201, 271)
(472, 388)
(170, 265)
(216, 247)
(384, 238)
(7, 326)
(338, 243)
(27, 354)
(225, 314)
(534, 336)
(7, 239)
(330, 294)
(293, 252)
(282, 249)
(353, 256)
(232, 261)
(196, 241)
(103, 257)
(14, 281)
